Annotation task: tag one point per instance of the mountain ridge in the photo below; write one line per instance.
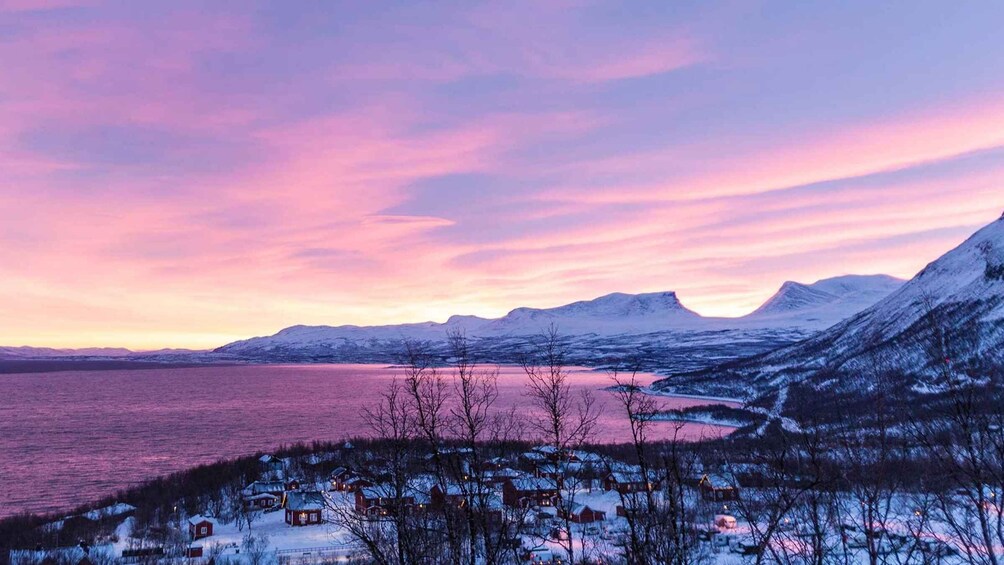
(613, 314)
(954, 305)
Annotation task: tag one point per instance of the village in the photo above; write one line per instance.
(305, 520)
(531, 498)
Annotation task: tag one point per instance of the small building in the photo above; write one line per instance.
(718, 488)
(529, 491)
(304, 508)
(582, 514)
(200, 527)
(193, 552)
(263, 495)
(356, 483)
(346, 480)
(499, 476)
(558, 472)
(275, 488)
(381, 501)
(629, 482)
(556, 455)
(262, 501)
(480, 499)
(292, 484)
(451, 495)
(339, 475)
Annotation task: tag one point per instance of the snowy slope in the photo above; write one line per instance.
(961, 293)
(611, 314)
(825, 302)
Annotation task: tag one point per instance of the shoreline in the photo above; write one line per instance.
(43, 366)
(722, 399)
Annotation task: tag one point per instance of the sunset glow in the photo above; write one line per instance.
(173, 175)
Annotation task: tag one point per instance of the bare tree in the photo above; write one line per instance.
(255, 549)
(427, 393)
(963, 439)
(563, 420)
(481, 432)
(393, 536)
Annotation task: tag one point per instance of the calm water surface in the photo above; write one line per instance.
(71, 437)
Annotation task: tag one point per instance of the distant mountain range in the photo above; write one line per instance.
(599, 330)
(653, 328)
(27, 353)
(656, 327)
(24, 352)
(953, 308)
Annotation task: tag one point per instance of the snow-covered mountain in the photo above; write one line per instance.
(611, 314)
(615, 322)
(955, 306)
(607, 315)
(25, 352)
(825, 302)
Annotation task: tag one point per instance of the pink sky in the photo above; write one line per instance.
(173, 175)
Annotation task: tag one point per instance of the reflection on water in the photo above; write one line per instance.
(70, 437)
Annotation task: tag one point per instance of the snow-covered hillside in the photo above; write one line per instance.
(825, 302)
(955, 304)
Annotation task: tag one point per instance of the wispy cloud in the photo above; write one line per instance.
(180, 175)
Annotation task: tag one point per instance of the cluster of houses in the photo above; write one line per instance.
(302, 507)
(533, 480)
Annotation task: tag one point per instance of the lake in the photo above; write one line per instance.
(71, 437)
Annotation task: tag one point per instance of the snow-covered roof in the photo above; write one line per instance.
(259, 487)
(560, 468)
(534, 483)
(631, 476)
(199, 518)
(504, 473)
(719, 480)
(297, 501)
(262, 496)
(388, 492)
(578, 509)
(588, 456)
(373, 492)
